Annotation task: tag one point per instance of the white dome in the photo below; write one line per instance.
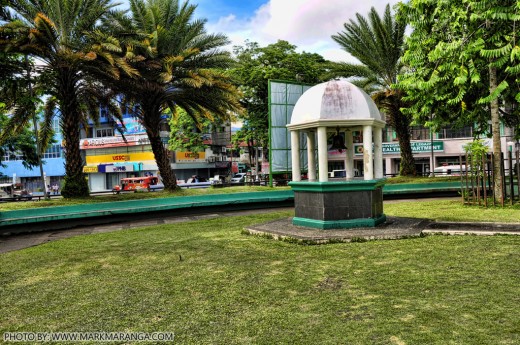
(334, 100)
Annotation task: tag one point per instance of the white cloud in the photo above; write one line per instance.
(308, 24)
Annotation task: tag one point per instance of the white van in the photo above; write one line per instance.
(342, 173)
(450, 170)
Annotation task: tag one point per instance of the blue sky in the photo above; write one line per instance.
(308, 24)
(214, 9)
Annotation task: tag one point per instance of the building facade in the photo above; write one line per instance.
(430, 151)
(109, 157)
(53, 161)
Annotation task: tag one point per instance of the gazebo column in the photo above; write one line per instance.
(295, 155)
(323, 155)
(368, 155)
(378, 152)
(349, 155)
(311, 156)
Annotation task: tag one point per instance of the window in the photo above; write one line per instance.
(389, 134)
(56, 124)
(106, 132)
(53, 151)
(420, 133)
(452, 133)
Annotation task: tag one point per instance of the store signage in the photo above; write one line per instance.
(221, 165)
(96, 143)
(90, 169)
(119, 168)
(121, 158)
(190, 157)
(417, 147)
(265, 167)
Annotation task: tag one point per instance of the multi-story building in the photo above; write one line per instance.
(448, 146)
(53, 161)
(109, 157)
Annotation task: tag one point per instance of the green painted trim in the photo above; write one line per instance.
(421, 187)
(340, 186)
(339, 224)
(44, 214)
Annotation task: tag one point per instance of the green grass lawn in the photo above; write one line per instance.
(210, 284)
(453, 210)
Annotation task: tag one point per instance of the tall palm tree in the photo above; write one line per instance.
(184, 67)
(74, 58)
(378, 43)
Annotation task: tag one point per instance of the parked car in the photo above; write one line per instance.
(220, 180)
(195, 181)
(239, 178)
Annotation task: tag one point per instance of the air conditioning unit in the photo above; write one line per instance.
(211, 159)
(224, 150)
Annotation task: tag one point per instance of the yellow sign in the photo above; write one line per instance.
(121, 158)
(188, 157)
(90, 170)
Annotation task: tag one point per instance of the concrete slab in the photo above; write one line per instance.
(393, 228)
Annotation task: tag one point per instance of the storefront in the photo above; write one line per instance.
(105, 171)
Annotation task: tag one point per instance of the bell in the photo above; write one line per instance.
(337, 142)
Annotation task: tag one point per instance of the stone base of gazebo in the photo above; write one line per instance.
(338, 205)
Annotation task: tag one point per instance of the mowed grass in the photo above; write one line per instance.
(453, 210)
(210, 284)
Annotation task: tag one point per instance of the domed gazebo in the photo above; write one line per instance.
(334, 107)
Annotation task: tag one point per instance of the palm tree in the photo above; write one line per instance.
(73, 57)
(183, 67)
(378, 43)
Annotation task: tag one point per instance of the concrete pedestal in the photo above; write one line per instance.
(338, 205)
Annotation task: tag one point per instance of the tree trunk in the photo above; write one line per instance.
(35, 128)
(163, 161)
(402, 128)
(495, 128)
(75, 186)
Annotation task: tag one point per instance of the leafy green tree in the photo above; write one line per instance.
(378, 43)
(75, 59)
(22, 144)
(184, 67)
(185, 133)
(256, 66)
(464, 64)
